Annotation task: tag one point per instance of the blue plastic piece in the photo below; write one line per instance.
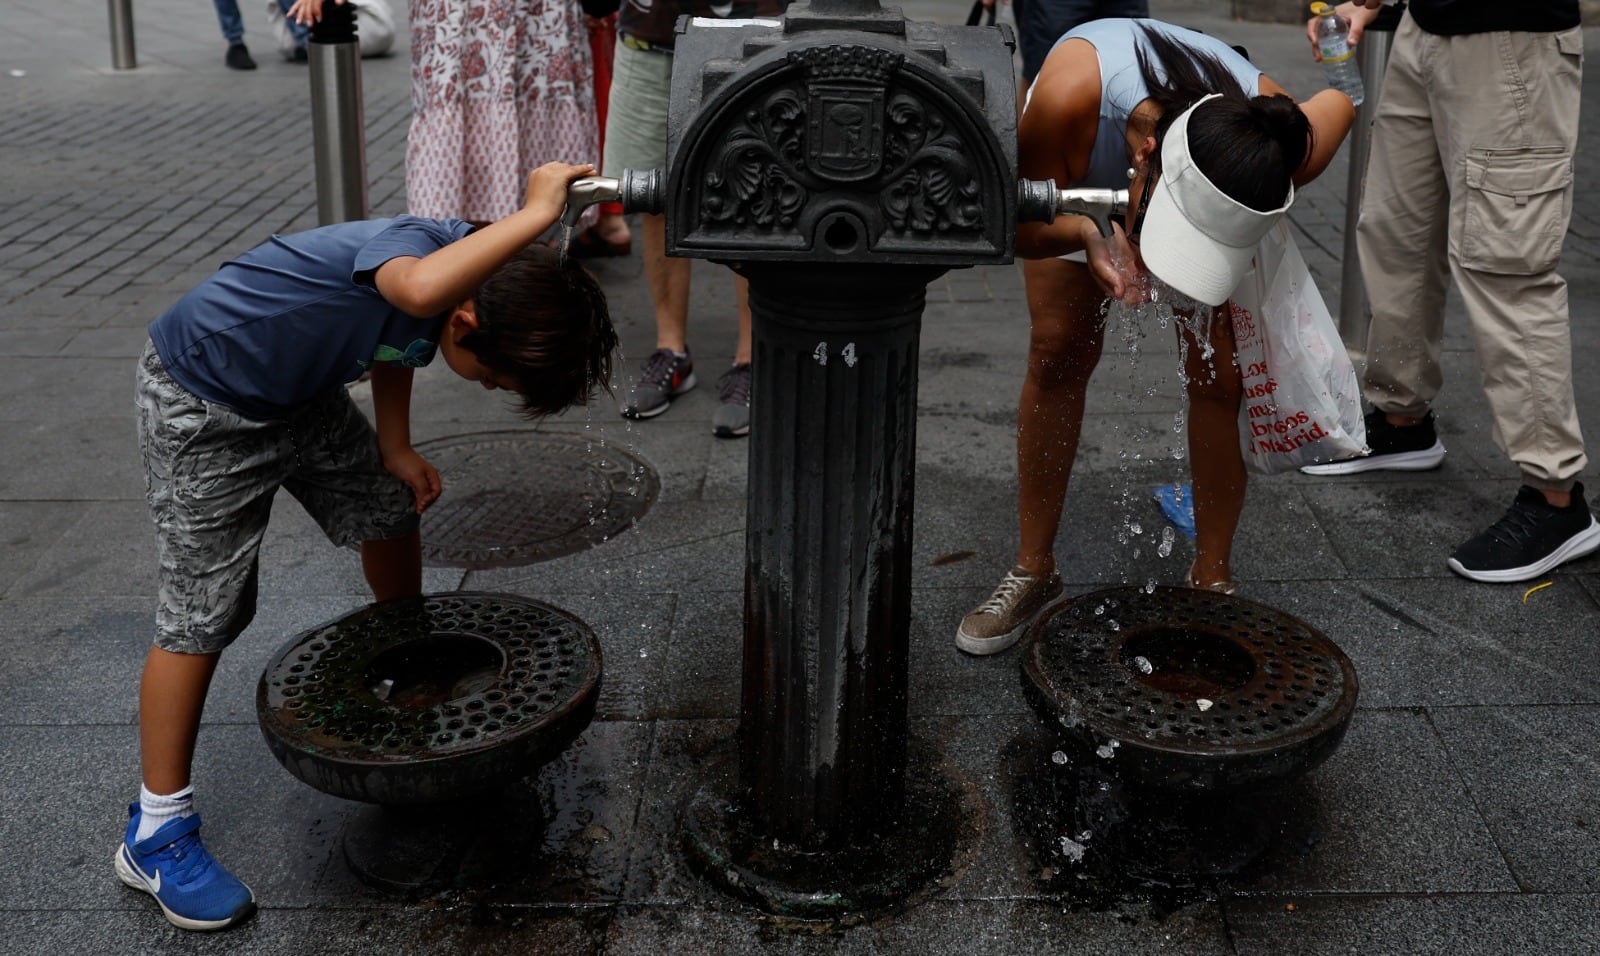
(1176, 502)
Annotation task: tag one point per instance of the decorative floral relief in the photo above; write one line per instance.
(759, 175)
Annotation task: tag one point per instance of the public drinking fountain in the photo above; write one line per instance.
(840, 159)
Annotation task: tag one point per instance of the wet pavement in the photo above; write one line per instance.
(1460, 815)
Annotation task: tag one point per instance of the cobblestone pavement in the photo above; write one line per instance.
(1459, 816)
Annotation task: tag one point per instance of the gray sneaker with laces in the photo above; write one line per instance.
(732, 419)
(999, 622)
(666, 375)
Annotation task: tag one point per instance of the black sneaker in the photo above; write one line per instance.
(1531, 539)
(238, 58)
(1394, 448)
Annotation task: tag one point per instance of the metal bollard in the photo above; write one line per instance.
(122, 52)
(338, 131)
(1373, 56)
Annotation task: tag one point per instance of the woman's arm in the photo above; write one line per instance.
(1055, 136)
(1331, 115)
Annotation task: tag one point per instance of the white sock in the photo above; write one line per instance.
(156, 809)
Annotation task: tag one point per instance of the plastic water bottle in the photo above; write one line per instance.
(1338, 56)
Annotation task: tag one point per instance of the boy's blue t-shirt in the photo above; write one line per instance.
(299, 315)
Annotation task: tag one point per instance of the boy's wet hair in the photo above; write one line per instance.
(543, 323)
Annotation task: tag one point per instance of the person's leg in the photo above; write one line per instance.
(1510, 205)
(340, 480)
(229, 20)
(172, 696)
(1065, 338)
(210, 476)
(1401, 237)
(741, 302)
(238, 56)
(636, 138)
(611, 227)
(393, 567)
(668, 279)
(1215, 390)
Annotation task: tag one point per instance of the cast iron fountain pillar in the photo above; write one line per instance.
(840, 159)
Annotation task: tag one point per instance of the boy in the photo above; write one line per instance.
(241, 390)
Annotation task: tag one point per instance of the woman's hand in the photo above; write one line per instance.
(1113, 261)
(417, 472)
(307, 12)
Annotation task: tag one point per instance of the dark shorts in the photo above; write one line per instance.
(1040, 24)
(210, 476)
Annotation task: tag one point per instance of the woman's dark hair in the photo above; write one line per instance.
(543, 322)
(1249, 147)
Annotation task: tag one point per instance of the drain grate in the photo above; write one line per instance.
(516, 498)
(418, 699)
(1191, 674)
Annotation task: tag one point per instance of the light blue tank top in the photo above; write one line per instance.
(1122, 87)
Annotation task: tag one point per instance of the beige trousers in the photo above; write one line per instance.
(1470, 178)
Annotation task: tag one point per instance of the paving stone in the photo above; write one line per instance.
(1386, 814)
(1416, 926)
(1531, 771)
(1441, 825)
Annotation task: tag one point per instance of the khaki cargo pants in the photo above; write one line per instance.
(1470, 178)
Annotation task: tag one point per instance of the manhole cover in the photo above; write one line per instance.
(515, 498)
(425, 699)
(1189, 688)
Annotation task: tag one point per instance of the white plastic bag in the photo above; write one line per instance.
(1302, 403)
(374, 28)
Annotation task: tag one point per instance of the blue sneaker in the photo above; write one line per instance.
(193, 889)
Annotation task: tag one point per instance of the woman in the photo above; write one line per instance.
(1103, 112)
(498, 88)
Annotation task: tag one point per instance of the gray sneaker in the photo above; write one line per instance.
(732, 419)
(999, 622)
(666, 375)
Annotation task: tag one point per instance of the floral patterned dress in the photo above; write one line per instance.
(498, 87)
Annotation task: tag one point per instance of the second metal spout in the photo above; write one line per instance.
(1041, 201)
(1098, 204)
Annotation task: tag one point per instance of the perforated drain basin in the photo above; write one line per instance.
(1190, 689)
(422, 700)
(515, 498)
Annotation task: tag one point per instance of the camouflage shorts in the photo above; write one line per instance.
(210, 476)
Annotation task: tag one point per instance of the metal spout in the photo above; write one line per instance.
(1098, 204)
(1041, 201)
(638, 191)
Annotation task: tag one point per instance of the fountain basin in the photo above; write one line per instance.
(1185, 689)
(429, 699)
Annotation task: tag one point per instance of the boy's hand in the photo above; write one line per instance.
(547, 187)
(418, 474)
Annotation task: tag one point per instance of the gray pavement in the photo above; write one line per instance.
(1461, 815)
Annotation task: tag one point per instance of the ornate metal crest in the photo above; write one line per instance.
(844, 108)
(854, 123)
